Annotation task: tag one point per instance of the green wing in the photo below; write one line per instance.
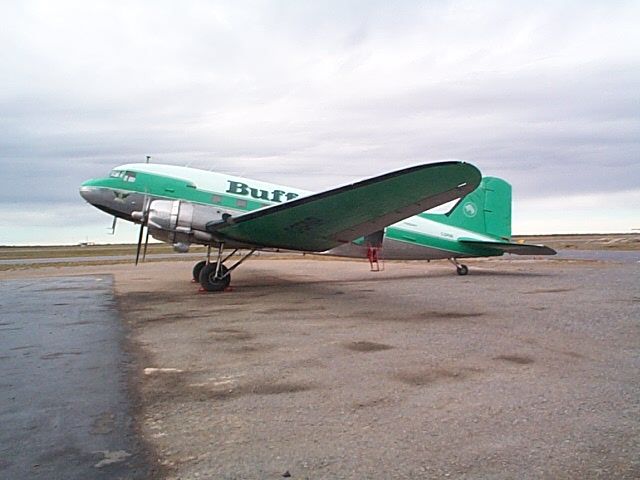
(325, 220)
(516, 248)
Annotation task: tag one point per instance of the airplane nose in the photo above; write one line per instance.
(84, 193)
(90, 194)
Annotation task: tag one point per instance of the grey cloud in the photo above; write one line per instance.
(320, 94)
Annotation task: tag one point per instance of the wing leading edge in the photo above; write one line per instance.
(325, 220)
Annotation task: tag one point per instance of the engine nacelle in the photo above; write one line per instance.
(179, 222)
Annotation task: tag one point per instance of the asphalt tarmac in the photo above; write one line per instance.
(523, 369)
(318, 368)
(65, 412)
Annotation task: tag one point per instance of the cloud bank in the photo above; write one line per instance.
(314, 94)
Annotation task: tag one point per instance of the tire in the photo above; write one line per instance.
(462, 270)
(209, 281)
(197, 268)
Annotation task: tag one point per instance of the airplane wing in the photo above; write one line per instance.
(322, 221)
(516, 248)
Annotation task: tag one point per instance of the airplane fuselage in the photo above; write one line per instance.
(130, 187)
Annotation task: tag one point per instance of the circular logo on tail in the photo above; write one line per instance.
(469, 209)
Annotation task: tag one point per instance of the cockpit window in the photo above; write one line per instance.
(129, 176)
(116, 173)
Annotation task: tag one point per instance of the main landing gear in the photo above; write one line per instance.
(197, 268)
(460, 268)
(215, 276)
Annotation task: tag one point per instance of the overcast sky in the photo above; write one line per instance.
(319, 93)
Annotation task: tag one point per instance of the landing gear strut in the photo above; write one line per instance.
(460, 268)
(214, 276)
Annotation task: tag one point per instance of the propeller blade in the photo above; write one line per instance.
(143, 223)
(139, 242)
(146, 242)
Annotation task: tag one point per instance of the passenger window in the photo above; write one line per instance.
(241, 203)
(216, 199)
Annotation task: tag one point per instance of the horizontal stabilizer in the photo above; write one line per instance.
(515, 248)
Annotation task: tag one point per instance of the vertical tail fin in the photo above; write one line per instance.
(486, 210)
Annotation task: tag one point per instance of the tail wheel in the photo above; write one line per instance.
(462, 269)
(197, 268)
(212, 283)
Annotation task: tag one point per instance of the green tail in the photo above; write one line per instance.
(486, 210)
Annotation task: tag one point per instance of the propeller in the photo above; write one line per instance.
(144, 220)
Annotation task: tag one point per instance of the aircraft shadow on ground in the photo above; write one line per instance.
(285, 281)
(357, 299)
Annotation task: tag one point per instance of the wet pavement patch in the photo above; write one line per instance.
(518, 359)
(229, 335)
(548, 290)
(426, 377)
(275, 388)
(64, 405)
(364, 346)
(446, 315)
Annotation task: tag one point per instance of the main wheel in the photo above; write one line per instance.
(210, 282)
(462, 270)
(197, 268)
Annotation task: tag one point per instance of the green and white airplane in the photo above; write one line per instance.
(386, 214)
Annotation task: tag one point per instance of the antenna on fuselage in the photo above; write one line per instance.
(148, 158)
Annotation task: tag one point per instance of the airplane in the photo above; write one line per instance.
(386, 214)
